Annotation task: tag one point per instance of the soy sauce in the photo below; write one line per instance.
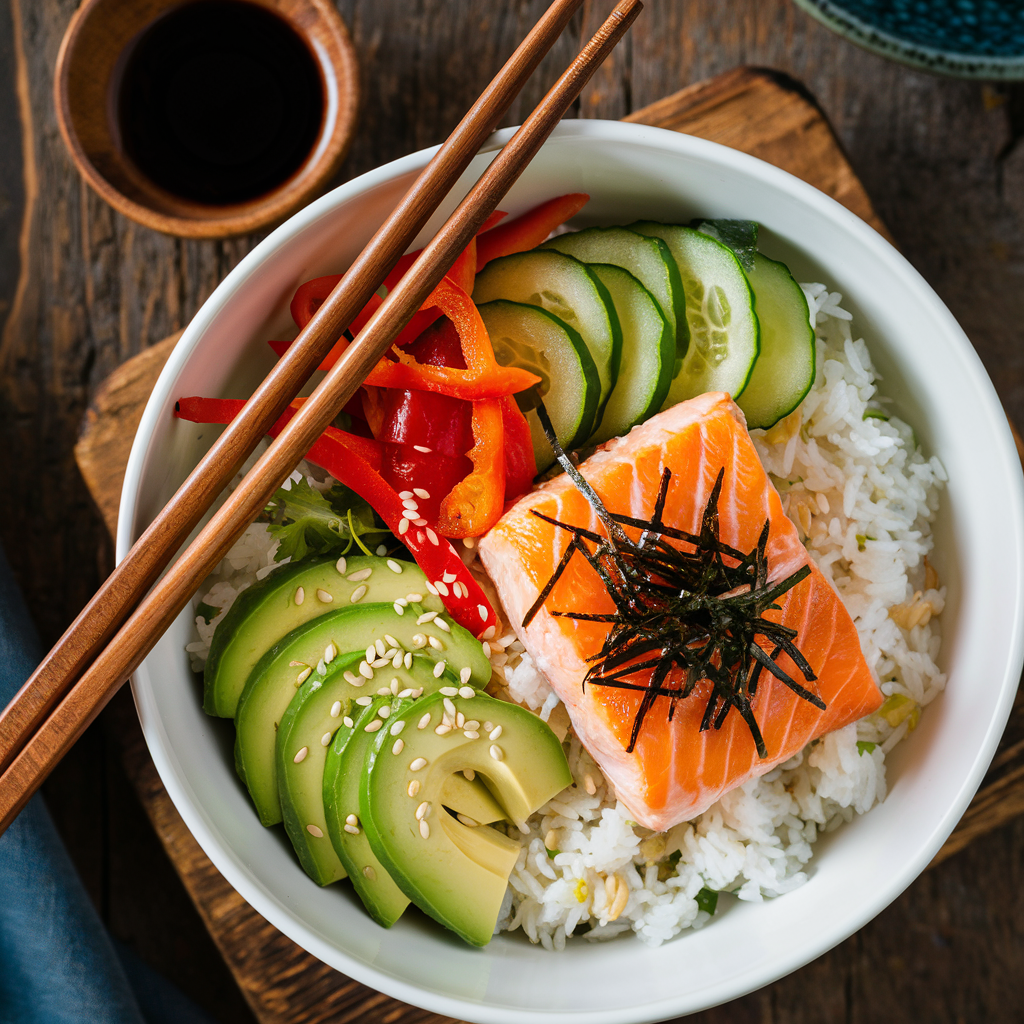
(220, 101)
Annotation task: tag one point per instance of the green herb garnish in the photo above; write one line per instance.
(304, 520)
(688, 610)
(865, 747)
(707, 900)
(207, 612)
(874, 414)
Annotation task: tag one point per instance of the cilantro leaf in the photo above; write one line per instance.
(306, 521)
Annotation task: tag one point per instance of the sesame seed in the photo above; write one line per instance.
(426, 617)
(482, 609)
(418, 641)
(321, 668)
(300, 595)
(385, 711)
(488, 632)
(378, 646)
(325, 740)
(380, 662)
(324, 596)
(418, 692)
(467, 692)
(295, 664)
(352, 819)
(364, 701)
(384, 691)
(414, 598)
(424, 721)
(399, 610)
(423, 810)
(442, 587)
(352, 680)
(398, 746)
(411, 503)
(432, 537)
(358, 594)
(430, 586)
(495, 733)
(314, 831)
(472, 723)
(396, 661)
(496, 752)
(469, 773)
(471, 734)
(365, 671)
(405, 494)
(488, 726)
(382, 550)
(436, 643)
(443, 729)
(420, 522)
(467, 820)
(420, 448)
(352, 830)
(486, 648)
(330, 653)
(394, 687)
(406, 693)
(449, 706)
(465, 675)
(391, 641)
(403, 601)
(347, 722)
(394, 566)
(358, 577)
(449, 577)
(303, 676)
(414, 787)
(301, 755)
(441, 624)
(403, 527)
(424, 830)
(460, 720)
(341, 565)
(409, 513)
(407, 660)
(369, 873)
(457, 589)
(439, 668)
(449, 691)
(375, 725)
(420, 762)
(590, 785)
(420, 493)
(397, 727)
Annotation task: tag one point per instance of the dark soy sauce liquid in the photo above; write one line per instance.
(221, 101)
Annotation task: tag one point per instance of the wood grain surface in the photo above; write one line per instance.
(82, 289)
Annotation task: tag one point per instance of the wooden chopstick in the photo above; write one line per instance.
(139, 569)
(45, 748)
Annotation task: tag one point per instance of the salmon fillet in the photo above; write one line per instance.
(675, 771)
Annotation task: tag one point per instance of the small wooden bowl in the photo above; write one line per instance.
(89, 65)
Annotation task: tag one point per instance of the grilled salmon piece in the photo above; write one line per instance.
(675, 770)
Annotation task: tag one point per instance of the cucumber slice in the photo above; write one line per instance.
(724, 328)
(534, 339)
(784, 371)
(565, 288)
(646, 257)
(648, 354)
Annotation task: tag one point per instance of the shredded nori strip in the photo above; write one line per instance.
(698, 611)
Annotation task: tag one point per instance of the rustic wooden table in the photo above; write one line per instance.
(82, 289)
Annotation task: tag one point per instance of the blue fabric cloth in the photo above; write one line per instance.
(57, 962)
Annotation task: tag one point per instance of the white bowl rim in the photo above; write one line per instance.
(833, 931)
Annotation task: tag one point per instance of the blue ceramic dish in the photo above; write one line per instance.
(962, 38)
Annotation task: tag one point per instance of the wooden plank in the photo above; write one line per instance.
(761, 112)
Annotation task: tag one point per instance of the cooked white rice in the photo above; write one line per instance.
(863, 497)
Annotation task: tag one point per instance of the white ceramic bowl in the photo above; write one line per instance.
(938, 382)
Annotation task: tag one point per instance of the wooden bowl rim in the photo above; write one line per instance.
(241, 218)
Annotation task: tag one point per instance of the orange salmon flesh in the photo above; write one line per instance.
(676, 771)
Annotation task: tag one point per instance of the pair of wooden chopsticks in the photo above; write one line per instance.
(88, 664)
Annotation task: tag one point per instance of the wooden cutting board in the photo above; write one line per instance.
(760, 112)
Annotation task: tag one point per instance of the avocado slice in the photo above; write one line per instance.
(266, 611)
(302, 654)
(384, 901)
(456, 873)
(317, 710)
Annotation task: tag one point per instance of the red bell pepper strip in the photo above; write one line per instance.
(475, 504)
(529, 230)
(520, 462)
(344, 457)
